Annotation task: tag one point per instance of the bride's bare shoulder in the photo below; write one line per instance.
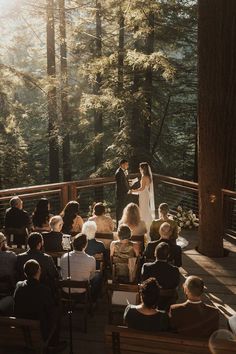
(146, 180)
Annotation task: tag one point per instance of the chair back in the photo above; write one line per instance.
(139, 239)
(16, 236)
(20, 334)
(106, 238)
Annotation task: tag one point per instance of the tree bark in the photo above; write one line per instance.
(120, 73)
(148, 83)
(52, 96)
(66, 158)
(98, 121)
(217, 118)
(98, 118)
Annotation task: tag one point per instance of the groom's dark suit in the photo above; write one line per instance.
(122, 188)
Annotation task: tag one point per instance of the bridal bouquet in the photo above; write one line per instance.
(186, 219)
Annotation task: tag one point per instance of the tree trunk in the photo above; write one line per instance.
(148, 83)
(66, 158)
(51, 96)
(120, 74)
(217, 117)
(98, 119)
(98, 122)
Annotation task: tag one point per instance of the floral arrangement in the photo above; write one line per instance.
(186, 219)
(107, 209)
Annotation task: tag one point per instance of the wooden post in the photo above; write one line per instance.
(217, 117)
(64, 195)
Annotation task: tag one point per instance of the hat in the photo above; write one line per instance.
(2, 237)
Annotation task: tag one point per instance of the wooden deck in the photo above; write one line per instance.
(219, 275)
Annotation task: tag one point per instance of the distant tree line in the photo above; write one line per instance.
(86, 82)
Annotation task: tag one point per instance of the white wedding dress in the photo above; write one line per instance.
(145, 207)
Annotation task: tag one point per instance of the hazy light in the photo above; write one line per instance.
(6, 6)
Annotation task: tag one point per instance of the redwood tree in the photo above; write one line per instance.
(217, 117)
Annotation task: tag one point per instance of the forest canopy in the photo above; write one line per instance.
(87, 82)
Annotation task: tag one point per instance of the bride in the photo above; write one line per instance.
(146, 195)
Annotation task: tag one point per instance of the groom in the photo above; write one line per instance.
(122, 188)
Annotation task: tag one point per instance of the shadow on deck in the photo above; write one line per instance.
(217, 273)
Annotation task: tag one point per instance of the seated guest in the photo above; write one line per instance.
(82, 267)
(49, 274)
(104, 222)
(194, 318)
(33, 300)
(146, 316)
(72, 221)
(175, 255)
(17, 221)
(41, 216)
(7, 277)
(53, 239)
(93, 246)
(166, 274)
(163, 211)
(131, 217)
(121, 251)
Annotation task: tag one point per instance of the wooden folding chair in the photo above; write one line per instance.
(139, 239)
(20, 335)
(106, 238)
(77, 300)
(119, 296)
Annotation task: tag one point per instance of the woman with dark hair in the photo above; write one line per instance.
(146, 316)
(41, 215)
(72, 221)
(104, 222)
(146, 194)
(131, 217)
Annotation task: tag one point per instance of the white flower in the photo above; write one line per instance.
(179, 208)
(181, 224)
(187, 222)
(178, 215)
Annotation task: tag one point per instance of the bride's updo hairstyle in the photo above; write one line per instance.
(145, 167)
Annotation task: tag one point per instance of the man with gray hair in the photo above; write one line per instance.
(175, 251)
(94, 246)
(53, 239)
(17, 221)
(194, 318)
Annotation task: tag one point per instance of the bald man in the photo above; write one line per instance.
(175, 252)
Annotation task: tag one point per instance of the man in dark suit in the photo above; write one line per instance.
(194, 318)
(17, 221)
(122, 188)
(49, 274)
(175, 255)
(166, 274)
(33, 300)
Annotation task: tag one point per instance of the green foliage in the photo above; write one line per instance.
(148, 112)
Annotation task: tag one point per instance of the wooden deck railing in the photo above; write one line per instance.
(172, 190)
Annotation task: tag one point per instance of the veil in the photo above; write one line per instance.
(152, 197)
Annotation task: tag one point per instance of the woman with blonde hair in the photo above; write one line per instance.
(131, 217)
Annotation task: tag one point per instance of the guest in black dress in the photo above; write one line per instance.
(146, 316)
